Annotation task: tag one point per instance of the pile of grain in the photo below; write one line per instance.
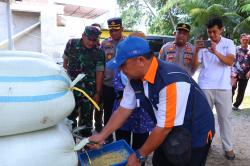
(110, 158)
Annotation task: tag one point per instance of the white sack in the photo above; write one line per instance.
(34, 94)
(14, 54)
(48, 147)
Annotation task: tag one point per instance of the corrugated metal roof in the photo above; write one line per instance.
(83, 11)
(77, 8)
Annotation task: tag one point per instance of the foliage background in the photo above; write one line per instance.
(161, 16)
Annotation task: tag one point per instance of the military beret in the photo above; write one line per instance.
(183, 26)
(91, 32)
(115, 23)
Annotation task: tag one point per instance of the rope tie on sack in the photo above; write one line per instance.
(86, 95)
(72, 87)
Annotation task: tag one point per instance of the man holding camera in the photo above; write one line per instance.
(180, 51)
(215, 79)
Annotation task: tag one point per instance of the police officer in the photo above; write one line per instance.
(83, 56)
(98, 116)
(175, 99)
(109, 47)
(180, 51)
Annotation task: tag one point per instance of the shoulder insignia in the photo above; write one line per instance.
(170, 49)
(109, 56)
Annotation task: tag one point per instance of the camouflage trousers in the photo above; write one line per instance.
(85, 110)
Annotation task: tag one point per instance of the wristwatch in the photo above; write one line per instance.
(140, 157)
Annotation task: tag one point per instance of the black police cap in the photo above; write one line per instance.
(115, 23)
(183, 26)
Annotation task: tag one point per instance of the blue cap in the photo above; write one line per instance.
(130, 47)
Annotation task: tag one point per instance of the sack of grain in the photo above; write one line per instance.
(48, 147)
(34, 94)
(14, 54)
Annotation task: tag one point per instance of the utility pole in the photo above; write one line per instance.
(9, 22)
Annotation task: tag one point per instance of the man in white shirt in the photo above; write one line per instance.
(214, 80)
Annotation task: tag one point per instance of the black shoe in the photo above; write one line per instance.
(230, 155)
(235, 108)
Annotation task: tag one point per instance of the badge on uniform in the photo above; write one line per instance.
(170, 58)
(170, 49)
(188, 49)
(109, 56)
(108, 44)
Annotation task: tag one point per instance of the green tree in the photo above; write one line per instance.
(235, 15)
(136, 11)
(166, 14)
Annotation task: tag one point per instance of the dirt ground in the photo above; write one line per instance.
(241, 127)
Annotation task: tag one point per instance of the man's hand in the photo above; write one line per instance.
(199, 44)
(212, 49)
(98, 140)
(248, 75)
(97, 98)
(133, 160)
(234, 81)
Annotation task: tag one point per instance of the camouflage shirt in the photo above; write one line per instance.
(109, 47)
(84, 60)
(184, 56)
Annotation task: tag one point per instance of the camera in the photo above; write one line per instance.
(207, 43)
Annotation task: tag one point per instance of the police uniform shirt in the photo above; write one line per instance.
(109, 47)
(183, 56)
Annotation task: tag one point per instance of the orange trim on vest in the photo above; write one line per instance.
(209, 136)
(171, 97)
(150, 75)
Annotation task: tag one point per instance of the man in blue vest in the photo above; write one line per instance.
(175, 99)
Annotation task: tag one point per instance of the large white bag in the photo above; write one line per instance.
(48, 147)
(14, 54)
(34, 94)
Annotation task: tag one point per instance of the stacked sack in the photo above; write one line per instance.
(35, 97)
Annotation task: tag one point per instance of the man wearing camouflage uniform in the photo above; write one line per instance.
(83, 56)
(180, 51)
(109, 46)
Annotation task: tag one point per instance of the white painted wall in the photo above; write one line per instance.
(21, 21)
(30, 42)
(3, 22)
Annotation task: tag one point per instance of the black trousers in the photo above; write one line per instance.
(98, 120)
(241, 84)
(108, 98)
(198, 158)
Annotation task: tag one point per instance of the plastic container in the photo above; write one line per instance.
(120, 145)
